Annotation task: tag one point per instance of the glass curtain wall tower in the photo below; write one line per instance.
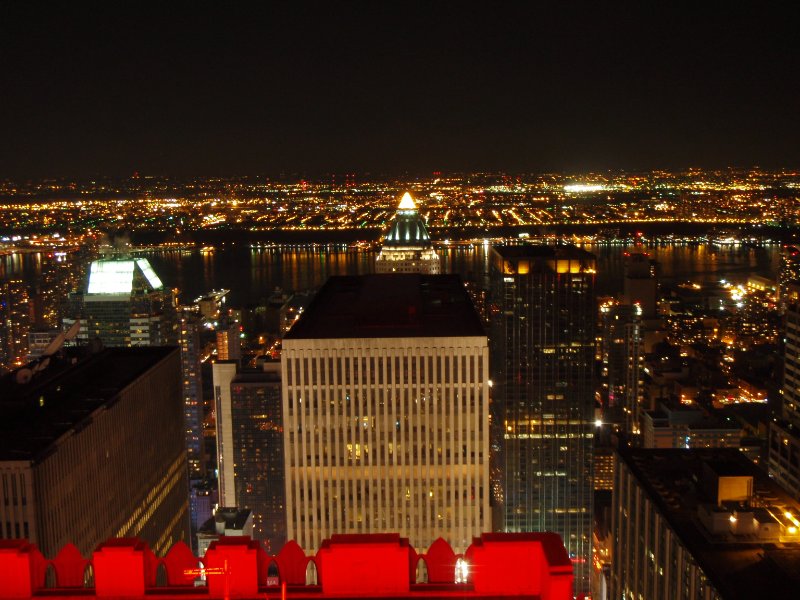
(542, 345)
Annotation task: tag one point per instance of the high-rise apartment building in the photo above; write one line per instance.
(222, 374)
(258, 452)
(15, 323)
(407, 248)
(229, 343)
(623, 363)
(386, 412)
(788, 275)
(189, 324)
(250, 445)
(543, 351)
(701, 524)
(94, 450)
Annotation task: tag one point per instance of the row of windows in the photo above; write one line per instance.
(413, 367)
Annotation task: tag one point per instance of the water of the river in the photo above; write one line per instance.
(253, 274)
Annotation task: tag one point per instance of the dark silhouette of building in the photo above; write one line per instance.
(543, 348)
(640, 286)
(94, 450)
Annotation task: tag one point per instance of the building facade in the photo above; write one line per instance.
(385, 403)
(15, 323)
(229, 343)
(700, 524)
(407, 247)
(189, 325)
(257, 430)
(124, 304)
(95, 449)
(222, 374)
(623, 363)
(784, 433)
(543, 352)
(676, 425)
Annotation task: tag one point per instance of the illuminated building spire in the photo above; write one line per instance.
(407, 247)
(407, 203)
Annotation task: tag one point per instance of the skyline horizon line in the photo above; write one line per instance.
(376, 174)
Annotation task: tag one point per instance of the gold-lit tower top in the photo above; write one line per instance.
(407, 203)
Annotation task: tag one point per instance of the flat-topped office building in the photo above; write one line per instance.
(94, 450)
(385, 403)
(257, 432)
(784, 433)
(701, 524)
(543, 356)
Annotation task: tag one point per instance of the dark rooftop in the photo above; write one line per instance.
(673, 479)
(64, 396)
(227, 518)
(566, 251)
(253, 376)
(389, 306)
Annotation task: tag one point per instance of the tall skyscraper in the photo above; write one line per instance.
(189, 324)
(124, 304)
(385, 403)
(784, 433)
(639, 286)
(788, 274)
(15, 323)
(542, 334)
(250, 445)
(258, 452)
(407, 247)
(623, 364)
(222, 374)
(94, 450)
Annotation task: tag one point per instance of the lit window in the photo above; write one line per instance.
(462, 571)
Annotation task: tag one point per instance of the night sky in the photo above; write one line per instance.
(395, 88)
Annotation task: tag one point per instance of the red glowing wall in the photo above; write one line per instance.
(364, 565)
(381, 565)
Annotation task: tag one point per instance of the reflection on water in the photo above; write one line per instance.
(253, 274)
(21, 264)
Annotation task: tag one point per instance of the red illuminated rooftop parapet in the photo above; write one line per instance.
(21, 569)
(533, 565)
(349, 565)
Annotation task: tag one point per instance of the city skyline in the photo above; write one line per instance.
(415, 299)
